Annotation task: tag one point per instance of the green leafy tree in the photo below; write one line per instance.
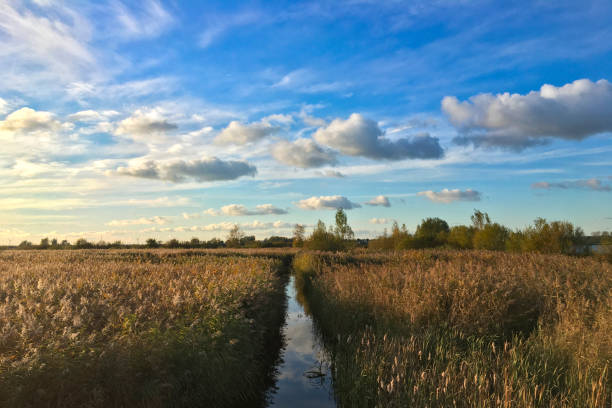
(432, 232)
(461, 237)
(343, 231)
(492, 236)
(322, 239)
(298, 235)
(480, 219)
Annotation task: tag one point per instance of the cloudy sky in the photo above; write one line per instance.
(127, 120)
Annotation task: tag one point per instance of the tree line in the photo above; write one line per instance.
(543, 236)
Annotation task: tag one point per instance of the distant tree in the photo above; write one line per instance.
(152, 243)
(82, 243)
(25, 244)
(298, 235)
(432, 232)
(214, 243)
(65, 243)
(343, 231)
(461, 237)
(480, 219)
(234, 237)
(54, 243)
(322, 239)
(492, 237)
(555, 237)
(195, 243)
(173, 243)
(44, 243)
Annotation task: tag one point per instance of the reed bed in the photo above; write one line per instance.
(463, 328)
(136, 328)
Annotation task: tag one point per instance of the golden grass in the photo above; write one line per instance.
(135, 328)
(464, 328)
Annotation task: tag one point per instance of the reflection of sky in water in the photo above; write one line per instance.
(301, 354)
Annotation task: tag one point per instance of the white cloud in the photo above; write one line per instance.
(303, 153)
(279, 118)
(220, 24)
(379, 220)
(573, 111)
(327, 202)
(590, 184)
(358, 136)
(380, 200)
(139, 221)
(29, 120)
(448, 196)
(332, 174)
(151, 19)
(145, 125)
(263, 209)
(4, 106)
(92, 116)
(206, 169)
(239, 134)
(57, 41)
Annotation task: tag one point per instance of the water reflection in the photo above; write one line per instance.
(303, 377)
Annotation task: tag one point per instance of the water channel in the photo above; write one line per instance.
(303, 376)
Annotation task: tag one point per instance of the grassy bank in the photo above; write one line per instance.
(463, 328)
(137, 328)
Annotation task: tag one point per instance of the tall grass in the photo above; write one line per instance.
(463, 328)
(136, 328)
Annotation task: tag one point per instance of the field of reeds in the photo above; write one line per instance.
(137, 328)
(437, 328)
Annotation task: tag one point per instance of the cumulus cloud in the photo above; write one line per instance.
(240, 134)
(304, 153)
(590, 184)
(573, 112)
(145, 125)
(327, 202)
(140, 221)
(206, 169)
(448, 196)
(379, 221)
(92, 116)
(29, 120)
(263, 209)
(332, 174)
(380, 200)
(226, 226)
(358, 136)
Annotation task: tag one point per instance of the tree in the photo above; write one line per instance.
(152, 243)
(343, 231)
(461, 237)
(173, 243)
(554, 237)
(25, 244)
(492, 237)
(432, 232)
(298, 235)
(480, 219)
(234, 237)
(322, 239)
(82, 243)
(195, 242)
(44, 243)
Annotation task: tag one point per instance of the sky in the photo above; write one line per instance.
(176, 119)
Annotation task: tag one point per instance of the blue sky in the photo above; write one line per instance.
(127, 120)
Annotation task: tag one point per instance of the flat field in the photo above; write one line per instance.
(463, 328)
(137, 328)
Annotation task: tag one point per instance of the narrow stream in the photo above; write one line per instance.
(303, 376)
